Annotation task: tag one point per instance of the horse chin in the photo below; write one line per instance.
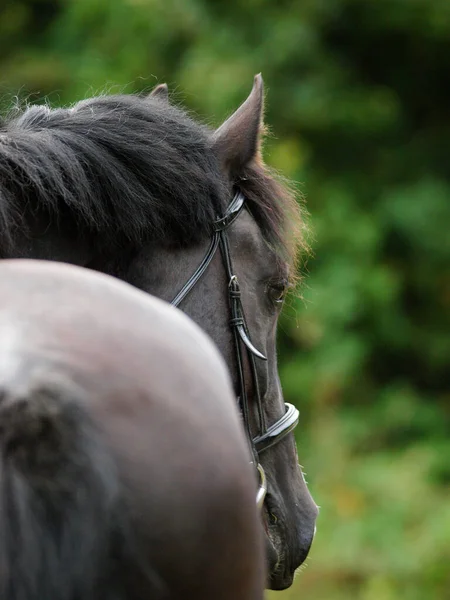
(279, 576)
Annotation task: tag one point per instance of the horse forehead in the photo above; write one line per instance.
(246, 235)
(250, 250)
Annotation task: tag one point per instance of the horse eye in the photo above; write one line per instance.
(277, 291)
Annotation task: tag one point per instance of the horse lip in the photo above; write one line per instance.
(280, 581)
(274, 563)
(281, 572)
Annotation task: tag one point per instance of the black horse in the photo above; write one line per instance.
(133, 187)
(124, 470)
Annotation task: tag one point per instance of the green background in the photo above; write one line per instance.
(358, 103)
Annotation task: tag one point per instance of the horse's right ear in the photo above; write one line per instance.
(160, 92)
(237, 141)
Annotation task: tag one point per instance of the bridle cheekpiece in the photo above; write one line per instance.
(267, 436)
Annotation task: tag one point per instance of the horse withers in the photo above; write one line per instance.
(124, 470)
(132, 186)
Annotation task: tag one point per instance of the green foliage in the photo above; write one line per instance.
(358, 107)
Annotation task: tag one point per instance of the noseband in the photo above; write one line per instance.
(267, 436)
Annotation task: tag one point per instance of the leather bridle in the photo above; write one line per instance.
(267, 436)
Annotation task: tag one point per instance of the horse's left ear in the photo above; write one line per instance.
(161, 92)
(237, 141)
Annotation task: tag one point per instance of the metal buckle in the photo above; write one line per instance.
(262, 490)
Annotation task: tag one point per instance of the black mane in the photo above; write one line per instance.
(128, 168)
(121, 165)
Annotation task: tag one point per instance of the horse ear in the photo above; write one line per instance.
(237, 141)
(161, 92)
